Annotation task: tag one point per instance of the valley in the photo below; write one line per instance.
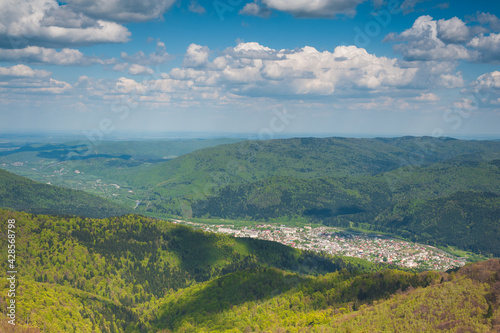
(398, 186)
(334, 241)
(258, 166)
(298, 235)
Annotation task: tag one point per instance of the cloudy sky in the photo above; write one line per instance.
(272, 67)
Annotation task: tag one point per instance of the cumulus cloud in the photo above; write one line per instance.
(21, 79)
(125, 85)
(486, 87)
(139, 63)
(196, 55)
(489, 20)
(450, 39)
(465, 104)
(319, 8)
(484, 91)
(255, 9)
(450, 80)
(453, 30)
(23, 71)
(43, 23)
(422, 42)
(488, 81)
(121, 10)
(160, 56)
(36, 54)
(136, 69)
(253, 50)
(489, 46)
(252, 69)
(427, 97)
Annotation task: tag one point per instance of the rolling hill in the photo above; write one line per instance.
(20, 193)
(339, 182)
(136, 274)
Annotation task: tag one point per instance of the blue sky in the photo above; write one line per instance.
(268, 67)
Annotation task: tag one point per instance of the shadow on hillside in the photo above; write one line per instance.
(223, 293)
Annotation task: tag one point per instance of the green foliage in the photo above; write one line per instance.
(119, 267)
(397, 186)
(467, 303)
(469, 220)
(136, 274)
(20, 193)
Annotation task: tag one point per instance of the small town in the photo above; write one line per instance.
(374, 248)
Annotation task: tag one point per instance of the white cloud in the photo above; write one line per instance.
(196, 55)
(23, 71)
(453, 30)
(408, 6)
(421, 41)
(253, 50)
(489, 20)
(255, 70)
(136, 69)
(195, 7)
(486, 87)
(126, 86)
(488, 45)
(465, 103)
(45, 23)
(427, 97)
(122, 10)
(255, 9)
(488, 81)
(450, 80)
(448, 40)
(160, 56)
(318, 8)
(36, 54)
(21, 79)
(484, 91)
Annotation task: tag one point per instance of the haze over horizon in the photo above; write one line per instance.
(346, 68)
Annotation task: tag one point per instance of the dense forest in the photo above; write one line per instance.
(90, 268)
(391, 185)
(136, 274)
(20, 193)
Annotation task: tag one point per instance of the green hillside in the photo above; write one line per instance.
(388, 301)
(366, 183)
(104, 168)
(308, 158)
(136, 274)
(113, 271)
(468, 220)
(20, 193)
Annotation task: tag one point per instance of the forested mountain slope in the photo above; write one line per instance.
(21, 193)
(135, 274)
(369, 183)
(98, 273)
